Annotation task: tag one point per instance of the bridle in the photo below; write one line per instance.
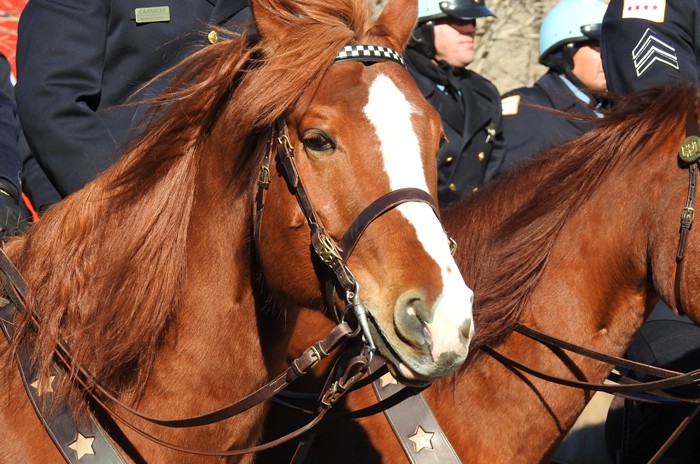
(333, 255)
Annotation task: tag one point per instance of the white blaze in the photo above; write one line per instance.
(390, 113)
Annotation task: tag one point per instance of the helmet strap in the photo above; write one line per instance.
(423, 39)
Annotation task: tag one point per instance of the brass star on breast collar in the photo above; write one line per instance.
(422, 439)
(387, 379)
(41, 388)
(82, 445)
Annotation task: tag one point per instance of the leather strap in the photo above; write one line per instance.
(15, 287)
(670, 379)
(87, 444)
(377, 208)
(689, 153)
(414, 424)
(630, 391)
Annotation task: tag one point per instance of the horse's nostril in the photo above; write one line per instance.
(410, 320)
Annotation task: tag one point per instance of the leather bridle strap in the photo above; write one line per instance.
(377, 208)
(689, 153)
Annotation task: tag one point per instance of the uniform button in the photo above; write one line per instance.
(481, 156)
(213, 37)
(452, 187)
(475, 189)
(449, 160)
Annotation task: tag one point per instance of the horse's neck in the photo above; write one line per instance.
(213, 355)
(593, 293)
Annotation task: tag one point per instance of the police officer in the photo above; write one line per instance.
(440, 48)
(647, 43)
(650, 42)
(79, 60)
(569, 46)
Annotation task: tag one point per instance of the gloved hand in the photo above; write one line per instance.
(10, 213)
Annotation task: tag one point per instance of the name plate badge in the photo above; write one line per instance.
(155, 14)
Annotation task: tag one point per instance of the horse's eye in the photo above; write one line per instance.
(316, 140)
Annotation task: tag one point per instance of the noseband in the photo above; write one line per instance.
(331, 253)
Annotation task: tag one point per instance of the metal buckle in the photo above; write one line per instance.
(453, 245)
(284, 140)
(688, 214)
(325, 249)
(314, 351)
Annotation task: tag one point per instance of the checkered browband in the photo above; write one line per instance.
(371, 53)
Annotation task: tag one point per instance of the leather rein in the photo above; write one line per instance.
(331, 255)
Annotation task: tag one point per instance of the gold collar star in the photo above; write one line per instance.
(387, 379)
(422, 439)
(82, 445)
(40, 388)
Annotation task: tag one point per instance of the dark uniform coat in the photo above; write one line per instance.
(10, 159)
(474, 149)
(642, 47)
(529, 130)
(77, 59)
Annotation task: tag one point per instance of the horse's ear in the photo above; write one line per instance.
(269, 22)
(396, 22)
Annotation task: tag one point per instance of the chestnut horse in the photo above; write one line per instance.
(155, 274)
(578, 243)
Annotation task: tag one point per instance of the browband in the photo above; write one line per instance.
(371, 53)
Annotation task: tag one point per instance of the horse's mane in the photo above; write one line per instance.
(106, 266)
(510, 226)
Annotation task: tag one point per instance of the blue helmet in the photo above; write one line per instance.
(570, 21)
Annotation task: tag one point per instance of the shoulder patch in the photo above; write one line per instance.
(650, 10)
(510, 105)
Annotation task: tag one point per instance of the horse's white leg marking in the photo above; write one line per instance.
(390, 113)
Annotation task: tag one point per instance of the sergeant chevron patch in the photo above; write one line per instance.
(653, 48)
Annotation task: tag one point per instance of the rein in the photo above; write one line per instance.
(15, 287)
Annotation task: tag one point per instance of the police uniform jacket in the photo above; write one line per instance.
(474, 149)
(529, 130)
(78, 59)
(650, 42)
(10, 159)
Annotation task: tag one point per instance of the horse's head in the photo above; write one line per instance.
(360, 130)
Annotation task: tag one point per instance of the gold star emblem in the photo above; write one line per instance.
(40, 388)
(82, 445)
(387, 379)
(422, 439)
